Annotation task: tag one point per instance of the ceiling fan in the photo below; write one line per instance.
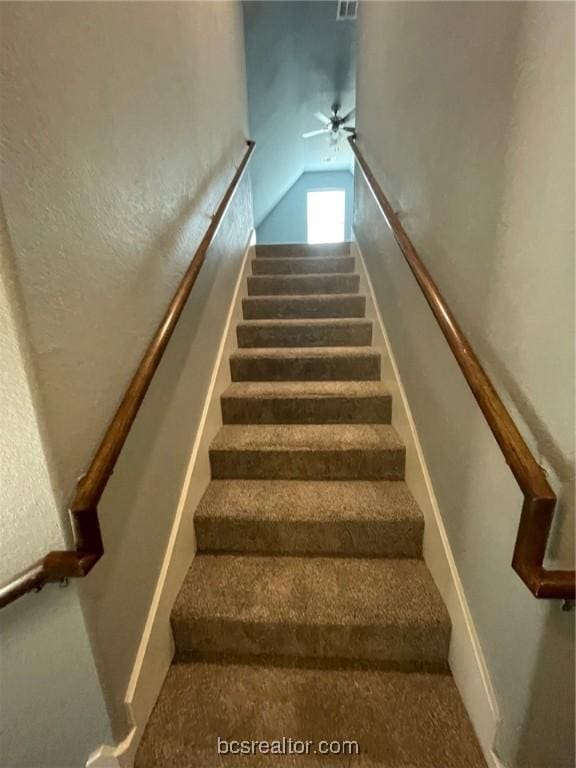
(333, 125)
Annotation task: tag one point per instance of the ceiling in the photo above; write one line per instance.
(299, 60)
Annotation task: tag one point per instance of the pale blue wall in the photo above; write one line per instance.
(286, 223)
(299, 60)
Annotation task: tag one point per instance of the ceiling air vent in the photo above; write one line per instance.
(347, 10)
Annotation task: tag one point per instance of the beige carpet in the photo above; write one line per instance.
(400, 720)
(308, 613)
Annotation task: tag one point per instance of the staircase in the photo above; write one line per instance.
(308, 612)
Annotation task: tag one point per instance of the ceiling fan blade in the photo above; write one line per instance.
(348, 116)
(322, 118)
(315, 133)
(350, 130)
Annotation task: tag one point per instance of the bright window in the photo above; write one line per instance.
(325, 209)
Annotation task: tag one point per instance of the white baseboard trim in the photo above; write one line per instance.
(156, 649)
(466, 658)
(111, 757)
(495, 762)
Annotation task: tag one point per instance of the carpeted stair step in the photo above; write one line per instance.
(291, 517)
(304, 333)
(306, 402)
(399, 720)
(307, 452)
(299, 250)
(286, 307)
(306, 364)
(301, 285)
(312, 266)
(380, 610)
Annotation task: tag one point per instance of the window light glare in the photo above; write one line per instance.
(325, 213)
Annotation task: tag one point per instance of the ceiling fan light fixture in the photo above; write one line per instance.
(334, 126)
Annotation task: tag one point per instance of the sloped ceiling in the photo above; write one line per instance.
(299, 60)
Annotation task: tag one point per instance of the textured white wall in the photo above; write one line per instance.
(122, 124)
(466, 115)
(49, 689)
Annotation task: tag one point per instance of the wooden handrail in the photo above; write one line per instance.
(60, 566)
(539, 498)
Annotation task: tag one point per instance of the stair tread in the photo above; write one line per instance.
(380, 710)
(337, 518)
(323, 283)
(297, 322)
(301, 250)
(311, 265)
(316, 258)
(308, 437)
(301, 277)
(332, 401)
(328, 297)
(310, 305)
(319, 591)
(316, 332)
(309, 500)
(304, 279)
(297, 352)
(306, 389)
